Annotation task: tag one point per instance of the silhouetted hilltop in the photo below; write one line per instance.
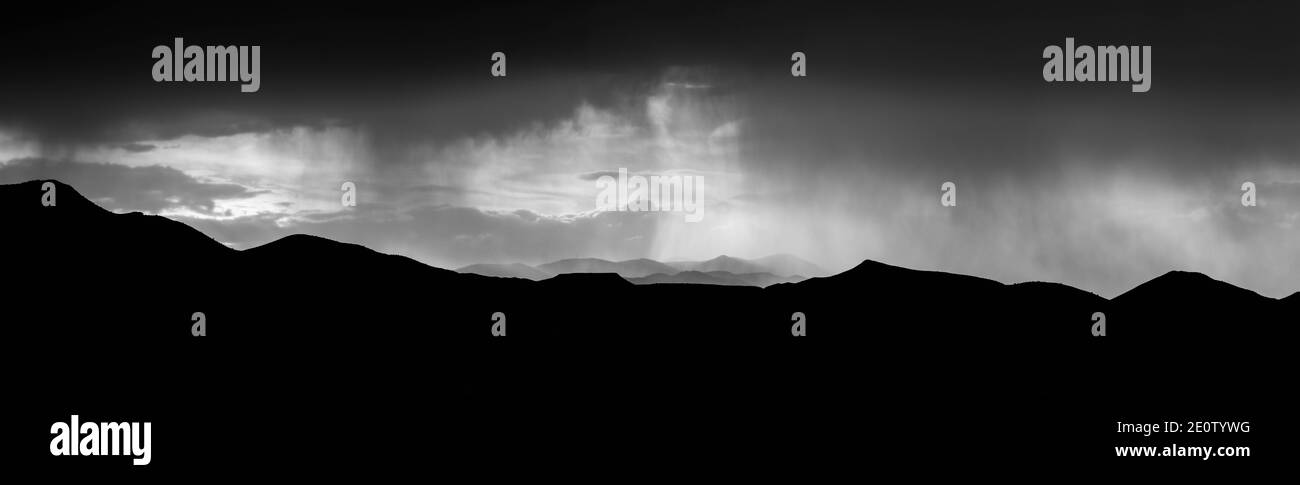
(1184, 286)
(1033, 290)
(1182, 304)
(601, 280)
(303, 252)
(74, 214)
(102, 245)
(22, 197)
(887, 279)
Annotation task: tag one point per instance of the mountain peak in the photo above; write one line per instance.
(729, 264)
(308, 247)
(28, 195)
(302, 241)
(1178, 277)
(871, 266)
(875, 272)
(1183, 285)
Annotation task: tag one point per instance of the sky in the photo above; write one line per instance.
(1087, 184)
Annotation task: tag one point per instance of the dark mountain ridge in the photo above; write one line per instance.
(316, 329)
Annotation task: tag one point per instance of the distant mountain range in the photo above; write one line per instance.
(513, 270)
(760, 279)
(722, 270)
(634, 268)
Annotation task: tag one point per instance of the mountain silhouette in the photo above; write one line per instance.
(1179, 304)
(1182, 285)
(317, 329)
(729, 265)
(781, 265)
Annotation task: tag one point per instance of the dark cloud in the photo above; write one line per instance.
(121, 188)
(407, 74)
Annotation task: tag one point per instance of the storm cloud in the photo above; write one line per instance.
(1085, 184)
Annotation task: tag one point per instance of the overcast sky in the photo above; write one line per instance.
(1086, 184)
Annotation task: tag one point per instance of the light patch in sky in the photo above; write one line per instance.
(679, 130)
(300, 168)
(14, 145)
